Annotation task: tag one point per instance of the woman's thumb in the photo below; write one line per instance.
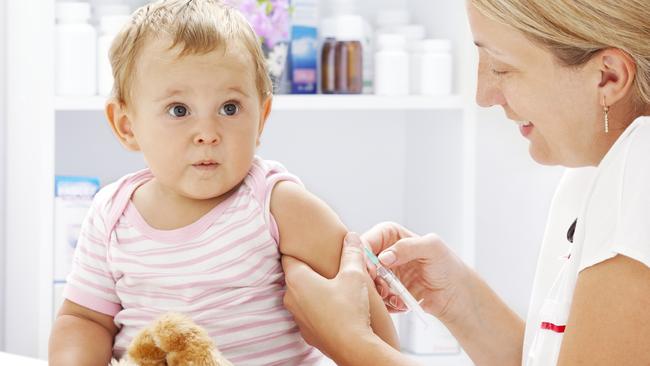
(406, 250)
(352, 257)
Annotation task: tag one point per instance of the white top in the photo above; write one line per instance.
(612, 206)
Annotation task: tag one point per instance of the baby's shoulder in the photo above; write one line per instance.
(111, 199)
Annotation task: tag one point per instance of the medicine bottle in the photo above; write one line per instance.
(349, 67)
(391, 65)
(349, 54)
(75, 50)
(328, 66)
(109, 27)
(432, 67)
(348, 27)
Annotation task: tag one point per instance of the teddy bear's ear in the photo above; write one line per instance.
(143, 350)
(185, 342)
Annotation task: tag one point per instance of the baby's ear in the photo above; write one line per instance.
(121, 123)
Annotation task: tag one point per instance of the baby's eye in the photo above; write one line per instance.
(178, 110)
(229, 109)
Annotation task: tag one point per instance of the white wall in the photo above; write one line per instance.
(3, 153)
(29, 175)
(513, 195)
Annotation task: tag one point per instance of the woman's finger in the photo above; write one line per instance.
(300, 279)
(352, 258)
(372, 269)
(295, 271)
(410, 249)
(384, 235)
(382, 287)
(394, 302)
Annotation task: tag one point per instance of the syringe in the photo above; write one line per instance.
(396, 285)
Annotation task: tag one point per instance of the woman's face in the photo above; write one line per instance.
(557, 108)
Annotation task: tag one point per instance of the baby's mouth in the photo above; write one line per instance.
(205, 164)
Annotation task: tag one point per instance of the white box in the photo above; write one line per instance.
(69, 214)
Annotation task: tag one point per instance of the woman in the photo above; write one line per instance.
(575, 75)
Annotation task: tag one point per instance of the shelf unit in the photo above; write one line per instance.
(405, 140)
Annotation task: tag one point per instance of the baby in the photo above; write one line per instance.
(203, 229)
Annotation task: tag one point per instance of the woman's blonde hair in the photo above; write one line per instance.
(195, 26)
(576, 30)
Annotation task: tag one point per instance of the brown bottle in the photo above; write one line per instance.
(349, 67)
(328, 66)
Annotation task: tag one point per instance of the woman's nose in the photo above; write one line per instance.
(488, 90)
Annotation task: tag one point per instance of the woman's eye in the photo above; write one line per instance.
(178, 111)
(498, 73)
(229, 109)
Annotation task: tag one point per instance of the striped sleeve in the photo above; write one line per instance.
(264, 175)
(90, 282)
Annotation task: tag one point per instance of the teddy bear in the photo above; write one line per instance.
(173, 340)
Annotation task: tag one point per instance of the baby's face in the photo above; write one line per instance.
(196, 118)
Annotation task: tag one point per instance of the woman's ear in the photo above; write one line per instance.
(121, 124)
(266, 111)
(618, 71)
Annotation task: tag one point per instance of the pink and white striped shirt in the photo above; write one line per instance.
(223, 270)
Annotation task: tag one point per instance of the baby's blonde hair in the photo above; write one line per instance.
(576, 30)
(196, 26)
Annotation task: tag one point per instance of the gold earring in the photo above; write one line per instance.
(606, 110)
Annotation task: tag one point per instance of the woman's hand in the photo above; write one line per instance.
(330, 313)
(424, 264)
(486, 328)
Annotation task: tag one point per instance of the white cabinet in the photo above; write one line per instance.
(407, 159)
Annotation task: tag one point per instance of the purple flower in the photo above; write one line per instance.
(269, 18)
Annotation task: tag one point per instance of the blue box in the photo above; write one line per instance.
(303, 58)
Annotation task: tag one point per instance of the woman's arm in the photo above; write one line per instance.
(311, 232)
(81, 336)
(487, 329)
(609, 322)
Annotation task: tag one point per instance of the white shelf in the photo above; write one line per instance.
(311, 103)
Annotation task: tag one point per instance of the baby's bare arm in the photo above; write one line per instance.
(312, 233)
(81, 336)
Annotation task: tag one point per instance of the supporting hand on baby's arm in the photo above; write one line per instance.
(312, 233)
